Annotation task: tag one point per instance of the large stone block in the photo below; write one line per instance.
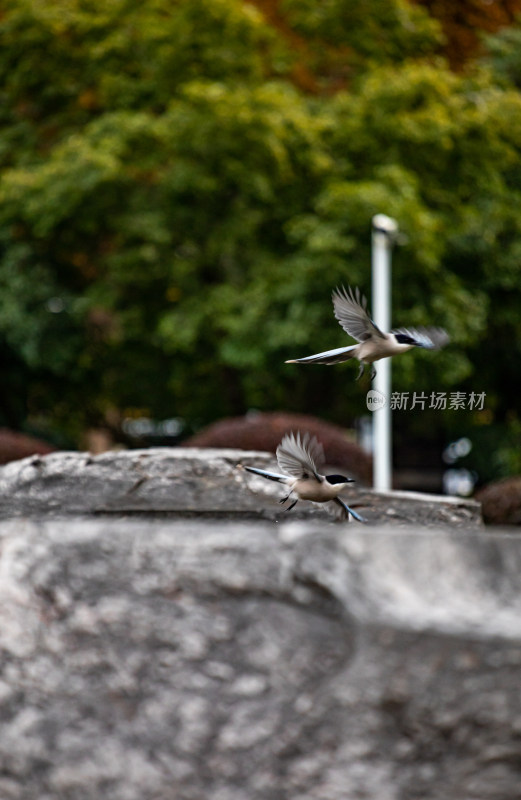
(181, 481)
(192, 659)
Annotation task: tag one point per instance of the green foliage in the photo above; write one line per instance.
(174, 212)
(68, 61)
(504, 54)
(376, 31)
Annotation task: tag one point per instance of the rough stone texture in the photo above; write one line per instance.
(190, 659)
(179, 481)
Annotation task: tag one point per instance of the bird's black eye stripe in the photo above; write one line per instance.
(403, 338)
(337, 479)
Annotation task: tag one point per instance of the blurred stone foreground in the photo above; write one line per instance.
(163, 637)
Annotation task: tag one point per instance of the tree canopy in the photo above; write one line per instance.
(184, 182)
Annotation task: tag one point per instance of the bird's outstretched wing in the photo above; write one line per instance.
(429, 338)
(351, 312)
(300, 456)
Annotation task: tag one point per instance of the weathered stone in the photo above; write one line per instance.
(192, 659)
(180, 481)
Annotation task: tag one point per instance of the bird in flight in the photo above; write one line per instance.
(300, 458)
(373, 344)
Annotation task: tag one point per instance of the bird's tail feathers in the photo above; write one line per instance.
(327, 357)
(272, 476)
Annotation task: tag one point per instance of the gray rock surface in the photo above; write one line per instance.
(195, 660)
(181, 481)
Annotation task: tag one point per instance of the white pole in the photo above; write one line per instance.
(383, 235)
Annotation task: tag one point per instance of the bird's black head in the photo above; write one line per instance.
(339, 479)
(404, 338)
